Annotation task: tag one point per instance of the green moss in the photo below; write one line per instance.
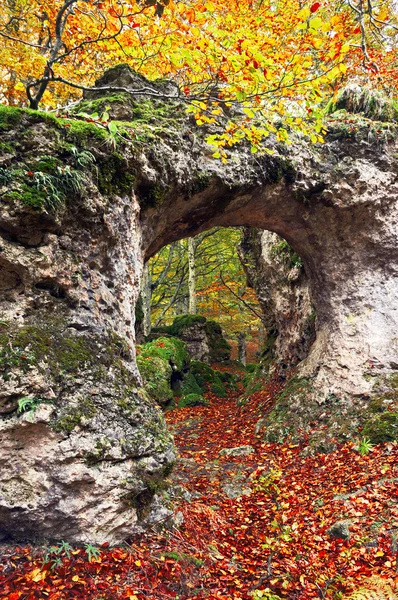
(169, 349)
(219, 390)
(203, 373)
(219, 349)
(192, 400)
(381, 428)
(58, 352)
(13, 196)
(279, 421)
(10, 116)
(32, 198)
(189, 385)
(157, 361)
(74, 416)
(372, 104)
(98, 106)
(156, 373)
(6, 148)
(184, 321)
(114, 176)
(47, 164)
(82, 132)
(206, 378)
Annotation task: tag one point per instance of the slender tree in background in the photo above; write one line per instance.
(146, 294)
(191, 276)
(221, 289)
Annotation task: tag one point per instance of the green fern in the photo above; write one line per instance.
(82, 158)
(28, 404)
(92, 552)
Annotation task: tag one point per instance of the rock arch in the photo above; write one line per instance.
(85, 461)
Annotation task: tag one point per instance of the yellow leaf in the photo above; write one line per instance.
(316, 23)
(137, 563)
(20, 86)
(38, 575)
(75, 578)
(304, 14)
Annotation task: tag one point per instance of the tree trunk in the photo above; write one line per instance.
(191, 277)
(242, 348)
(146, 294)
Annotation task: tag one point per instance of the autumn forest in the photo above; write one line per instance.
(198, 300)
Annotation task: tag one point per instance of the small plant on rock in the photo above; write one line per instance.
(30, 405)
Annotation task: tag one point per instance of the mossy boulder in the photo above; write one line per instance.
(192, 400)
(189, 385)
(208, 379)
(204, 338)
(383, 427)
(158, 362)
(372, 104)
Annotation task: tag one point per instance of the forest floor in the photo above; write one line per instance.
(255, 523)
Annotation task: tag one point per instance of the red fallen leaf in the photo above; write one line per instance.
(315, 7)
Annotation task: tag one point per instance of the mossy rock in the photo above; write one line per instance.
(383, 427)
(219, 349)
(189, 385)
(203, 373)
(192, 400)
(253, 380)
(156, 373)
(372, 104)
(206, 378)
(183, 321)
(219, 390)
(114, 176)
(168, 348)
(157, 361)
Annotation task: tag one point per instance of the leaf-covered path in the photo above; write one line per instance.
(256, 523)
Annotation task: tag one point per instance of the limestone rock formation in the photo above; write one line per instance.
(203, 337)
(277, 275)
(81, 208)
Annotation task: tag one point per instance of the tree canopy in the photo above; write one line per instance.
(279, 59)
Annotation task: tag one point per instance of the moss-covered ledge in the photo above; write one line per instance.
(301, 415)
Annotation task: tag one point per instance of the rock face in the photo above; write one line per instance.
(78, 216)
(204, 338)
(85, 458)
(277, 275)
